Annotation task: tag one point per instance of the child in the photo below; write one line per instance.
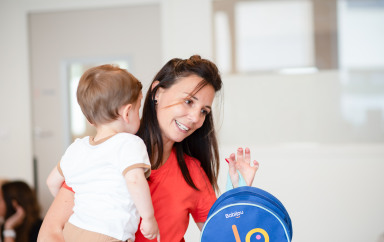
(108, 172)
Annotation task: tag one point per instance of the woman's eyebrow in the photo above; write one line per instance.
(193, 97)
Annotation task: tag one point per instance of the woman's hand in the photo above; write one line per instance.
(243, 165)
(17, 218)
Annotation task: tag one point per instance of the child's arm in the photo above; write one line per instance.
(55, 181)
(139, 190)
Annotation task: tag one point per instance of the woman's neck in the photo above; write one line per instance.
(167, 149)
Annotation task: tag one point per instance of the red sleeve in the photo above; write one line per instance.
(67, 187)
(205, 198)
(204, 204)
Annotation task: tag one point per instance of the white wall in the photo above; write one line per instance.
(187, 28)
(334, 192)
(15, 109)
(311, 157)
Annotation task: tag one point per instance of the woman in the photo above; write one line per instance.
(178, 130)
(21, 212)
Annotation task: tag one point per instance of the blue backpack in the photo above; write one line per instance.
(247, 214)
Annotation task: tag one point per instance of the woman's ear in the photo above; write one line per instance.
(158, 91)
(125, 112)
(154, 84)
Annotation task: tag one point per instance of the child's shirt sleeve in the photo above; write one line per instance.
(133, 154)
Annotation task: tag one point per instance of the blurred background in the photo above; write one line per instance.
(303, 88)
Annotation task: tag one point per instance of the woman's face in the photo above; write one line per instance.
(179, 111)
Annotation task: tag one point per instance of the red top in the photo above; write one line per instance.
(67, 187)
(173, 199)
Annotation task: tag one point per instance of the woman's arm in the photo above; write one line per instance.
(243, 165)
(56, 217)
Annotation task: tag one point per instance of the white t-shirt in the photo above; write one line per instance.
(96, 174)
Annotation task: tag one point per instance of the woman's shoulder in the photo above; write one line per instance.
(191, 161)
(199, 176)
(194, 165)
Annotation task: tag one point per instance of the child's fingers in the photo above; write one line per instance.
(148, 236)
(151, 236)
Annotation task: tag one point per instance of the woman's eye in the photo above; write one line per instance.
(204, 112)
(188, 101)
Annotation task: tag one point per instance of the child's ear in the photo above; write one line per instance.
(125, 111)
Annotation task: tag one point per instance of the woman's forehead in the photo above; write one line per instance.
(189, 84)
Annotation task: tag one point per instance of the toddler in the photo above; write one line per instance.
(108, 172)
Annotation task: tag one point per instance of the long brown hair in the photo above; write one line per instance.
(20, 192)
(201, 144)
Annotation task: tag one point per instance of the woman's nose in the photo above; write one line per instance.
(194, 115)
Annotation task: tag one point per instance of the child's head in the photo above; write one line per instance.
(103, 90)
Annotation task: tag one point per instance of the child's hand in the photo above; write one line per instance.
(149, 229)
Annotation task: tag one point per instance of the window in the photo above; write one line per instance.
(275, 35)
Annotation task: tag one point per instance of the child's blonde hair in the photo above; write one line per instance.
(103, 90)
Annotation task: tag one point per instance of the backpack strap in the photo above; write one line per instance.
(229, 184)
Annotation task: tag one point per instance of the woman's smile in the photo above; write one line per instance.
(181, 126)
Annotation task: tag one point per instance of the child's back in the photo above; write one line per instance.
(95, 171)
